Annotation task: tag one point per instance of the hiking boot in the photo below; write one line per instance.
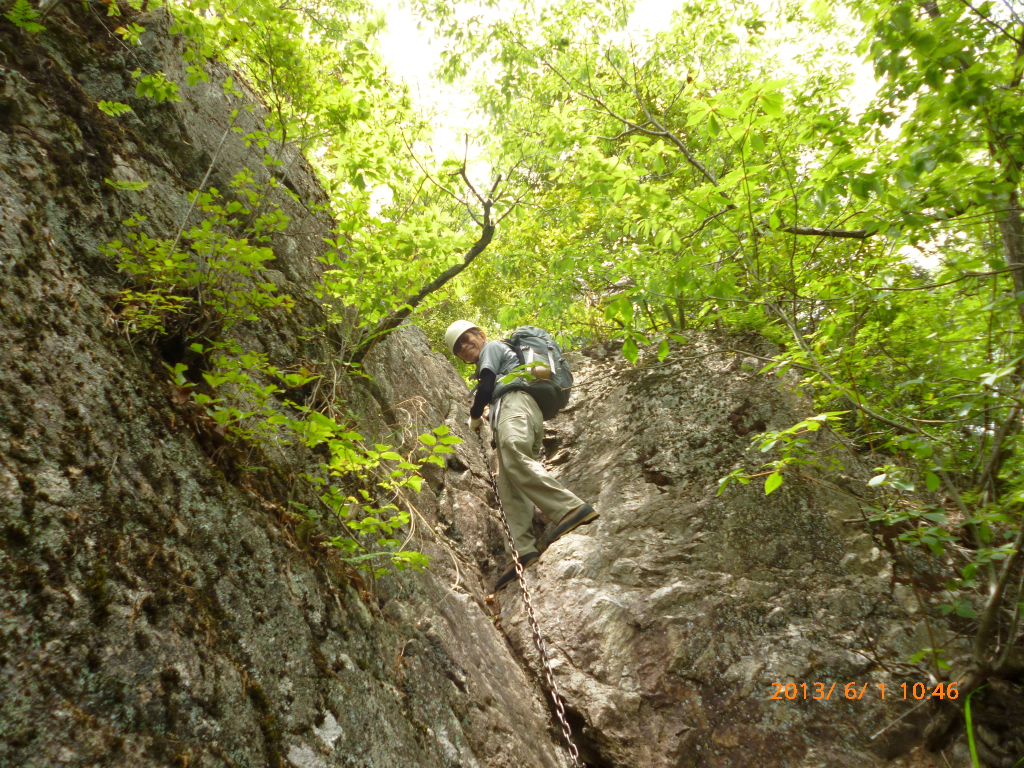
(509, 573)
(572, 520)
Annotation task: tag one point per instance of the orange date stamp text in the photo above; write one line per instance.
(823, 691)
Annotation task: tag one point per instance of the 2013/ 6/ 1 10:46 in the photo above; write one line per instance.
(823, 691)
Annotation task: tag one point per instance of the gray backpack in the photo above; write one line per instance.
(535, 346)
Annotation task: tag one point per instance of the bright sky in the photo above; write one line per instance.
(412, 57)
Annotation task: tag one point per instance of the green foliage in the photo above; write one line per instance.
(205, 292)
(795, 450)
(933, 654)
(113, 108)
(24, 16)
(155, 86)
(393, 472)
(219, 277)
(402, 218)
(131, 33)
(381, 467)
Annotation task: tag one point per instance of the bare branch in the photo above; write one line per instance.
(397, 317)
(1012, 633)
(494, 188)
(433, 181)
(965, 276)
(987, 623)
(202, 184)
(469, 184)
(661, 133)
(857, 234)
(511, 208)
(992, 22)
(624, 134)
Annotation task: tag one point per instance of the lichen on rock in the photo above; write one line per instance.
(155, 611)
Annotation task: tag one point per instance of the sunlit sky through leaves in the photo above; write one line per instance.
(412, 55)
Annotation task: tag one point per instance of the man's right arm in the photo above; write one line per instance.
(484, 393)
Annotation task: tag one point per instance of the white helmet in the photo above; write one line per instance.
(455, 330)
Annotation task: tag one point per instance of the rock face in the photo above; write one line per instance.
(152, 612)
(155, 611)
(672, 616)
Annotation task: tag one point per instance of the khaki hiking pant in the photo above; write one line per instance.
(522, 480)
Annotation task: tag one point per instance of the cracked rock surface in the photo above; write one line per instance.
(154, 611)
(671, 617)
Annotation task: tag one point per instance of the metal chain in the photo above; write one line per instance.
(574, 753)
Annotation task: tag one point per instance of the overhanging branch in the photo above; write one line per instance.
(857, 234)
(398, 316)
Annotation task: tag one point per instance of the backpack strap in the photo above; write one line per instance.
(515, 347)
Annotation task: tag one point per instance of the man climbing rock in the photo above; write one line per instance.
(518, 425)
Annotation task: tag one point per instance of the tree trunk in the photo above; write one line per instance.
(1012, 230)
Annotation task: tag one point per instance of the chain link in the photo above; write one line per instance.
(574, 753)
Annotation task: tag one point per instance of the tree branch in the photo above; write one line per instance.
(857, 234)
(987, 624)
(661, 133)
(398, 316)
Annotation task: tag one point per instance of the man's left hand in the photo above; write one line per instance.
(474, 424)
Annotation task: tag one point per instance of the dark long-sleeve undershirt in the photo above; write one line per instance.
(484, 393)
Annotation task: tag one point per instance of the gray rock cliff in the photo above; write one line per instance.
(152, 610)
(672, 616)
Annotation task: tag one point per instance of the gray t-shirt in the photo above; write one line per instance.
(498, 357)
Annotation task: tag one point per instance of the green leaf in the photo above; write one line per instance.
(428, 439)
(663, 350)
(630, 351)
(965, 609)
(713, 127)
(970, 728)
(113, 108)
(22, 15)
(774, 481)
(156, 87)
(773, 104)
(932, 481)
